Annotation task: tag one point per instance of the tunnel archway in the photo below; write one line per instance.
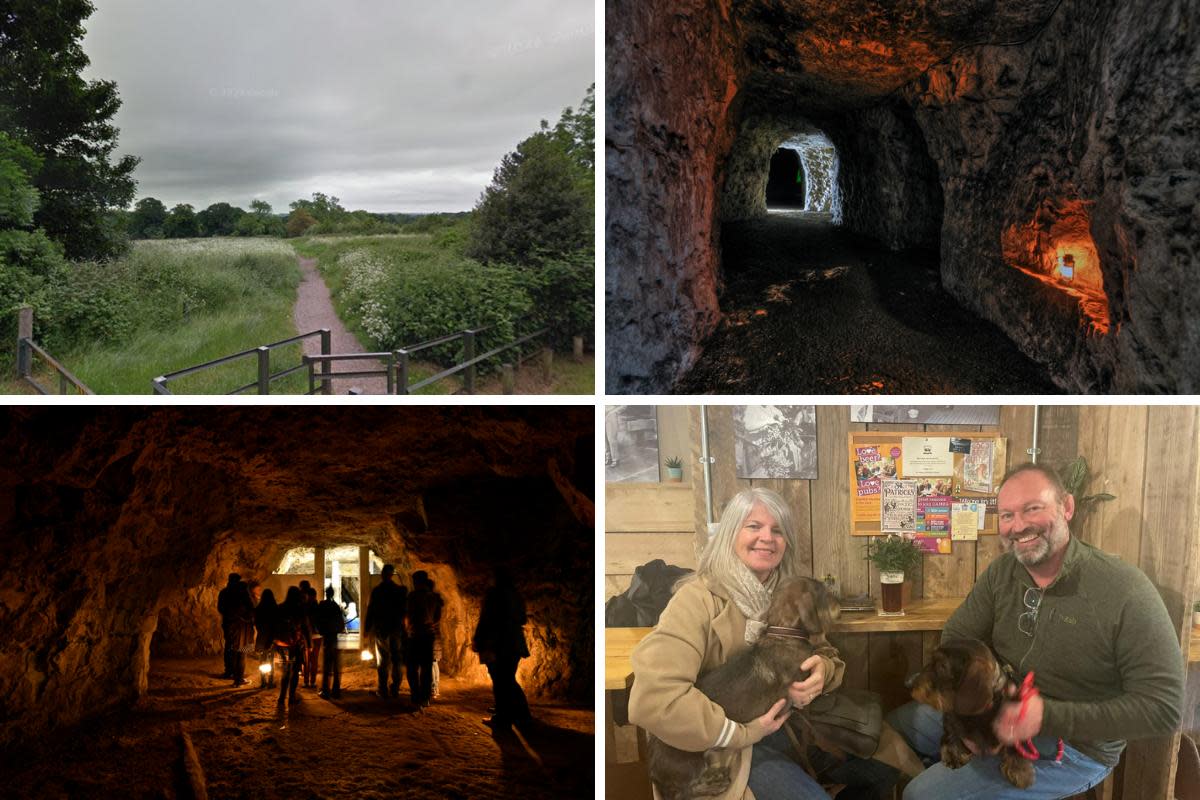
(123, 523)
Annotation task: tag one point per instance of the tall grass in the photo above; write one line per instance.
(396, 291)
(171, 305)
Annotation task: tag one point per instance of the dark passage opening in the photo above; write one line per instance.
(785, 180)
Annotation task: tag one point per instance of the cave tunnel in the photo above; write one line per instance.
(1014, 191)
(122, 524)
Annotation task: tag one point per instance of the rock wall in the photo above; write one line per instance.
(1094, 117)
(123, 522)
(670, 84)
(889, 184)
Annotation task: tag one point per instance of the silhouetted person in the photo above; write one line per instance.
(330, 622)
(243, 633)
(437, 643)
(292, 636)
(314, 648)
(500, 642)
(424, 614)
(385, 625)
(226, 607)
(266, 614)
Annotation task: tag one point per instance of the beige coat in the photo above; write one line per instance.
(699, 630)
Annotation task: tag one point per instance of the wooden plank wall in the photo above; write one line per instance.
(1149, 457)
(644, 521)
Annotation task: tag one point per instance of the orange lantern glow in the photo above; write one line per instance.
(1056, 247)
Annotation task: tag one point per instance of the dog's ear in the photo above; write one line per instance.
(787, 606)
(934, 685)
(974, 693)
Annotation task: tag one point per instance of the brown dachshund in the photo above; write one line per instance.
(966, 683)
(747, 685)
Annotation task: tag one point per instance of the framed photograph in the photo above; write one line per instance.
(927, 415)
(776, 441)
(630, 444)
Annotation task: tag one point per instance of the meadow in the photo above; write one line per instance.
(173, 304)
(170, 305)
(394, 291)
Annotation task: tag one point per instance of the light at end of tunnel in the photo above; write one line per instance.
(264, 668)
(367, 655)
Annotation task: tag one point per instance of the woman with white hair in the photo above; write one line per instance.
(714, 614)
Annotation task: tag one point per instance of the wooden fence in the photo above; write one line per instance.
(30, 355)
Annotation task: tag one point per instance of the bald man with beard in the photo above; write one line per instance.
(1093, 630)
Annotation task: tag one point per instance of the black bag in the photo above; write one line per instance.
(851, 720)
(643, 602)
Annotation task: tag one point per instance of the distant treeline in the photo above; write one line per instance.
(323, 214)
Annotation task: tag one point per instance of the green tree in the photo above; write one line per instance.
(325, 209)
(31, 264)
(540, 204)
(181, 223)
(299, 221)
(146, 221)
(67, 122)
(219, 219)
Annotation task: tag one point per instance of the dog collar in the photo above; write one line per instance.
(787, 633)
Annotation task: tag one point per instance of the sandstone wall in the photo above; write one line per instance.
(1098, 111)
(670, 84)
(889, 184)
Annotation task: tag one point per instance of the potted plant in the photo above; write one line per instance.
(674, 469)
(1075, 477)
(1196, 613)
(893, 556)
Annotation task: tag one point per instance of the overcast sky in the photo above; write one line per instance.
(390, 106)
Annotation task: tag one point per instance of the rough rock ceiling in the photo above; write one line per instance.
(834, 55)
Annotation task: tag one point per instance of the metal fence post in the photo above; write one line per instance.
(401, 371)
(507, 378)
(24, 331)
(469, 355)
(312, 375)
(326, 366)
(547, 363)
(264, 370)
(391, 378)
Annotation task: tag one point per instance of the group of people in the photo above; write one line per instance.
(290, 633)
(1093, 629)
(404, 628)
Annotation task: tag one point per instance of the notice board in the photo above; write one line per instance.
(973, 464)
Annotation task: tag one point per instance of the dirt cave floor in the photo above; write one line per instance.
(811, 309)
(358, 746)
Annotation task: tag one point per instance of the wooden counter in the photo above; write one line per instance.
(1194, 646)
(919, 615)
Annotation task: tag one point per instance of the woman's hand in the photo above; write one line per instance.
(769, 722)
(804, 692)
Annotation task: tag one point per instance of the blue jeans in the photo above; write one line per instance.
(776, 775)
(921, 726)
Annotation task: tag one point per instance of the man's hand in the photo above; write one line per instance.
(769, 722)
(804, 692)
(1009, 729)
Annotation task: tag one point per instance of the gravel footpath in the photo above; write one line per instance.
(809, 309)
(314, 310)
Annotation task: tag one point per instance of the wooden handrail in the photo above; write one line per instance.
(65, 375)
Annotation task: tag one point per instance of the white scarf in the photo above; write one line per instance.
(752, 597)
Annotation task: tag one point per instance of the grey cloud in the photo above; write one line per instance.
(389, 106)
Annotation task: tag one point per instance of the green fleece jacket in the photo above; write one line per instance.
(1104, 653)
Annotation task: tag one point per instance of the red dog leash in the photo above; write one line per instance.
(1026, 748)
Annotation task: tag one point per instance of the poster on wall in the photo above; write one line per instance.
(630, 444)
(775, 441)
(898, 501)
(977, 467)
(927, 456)
(928, 415)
